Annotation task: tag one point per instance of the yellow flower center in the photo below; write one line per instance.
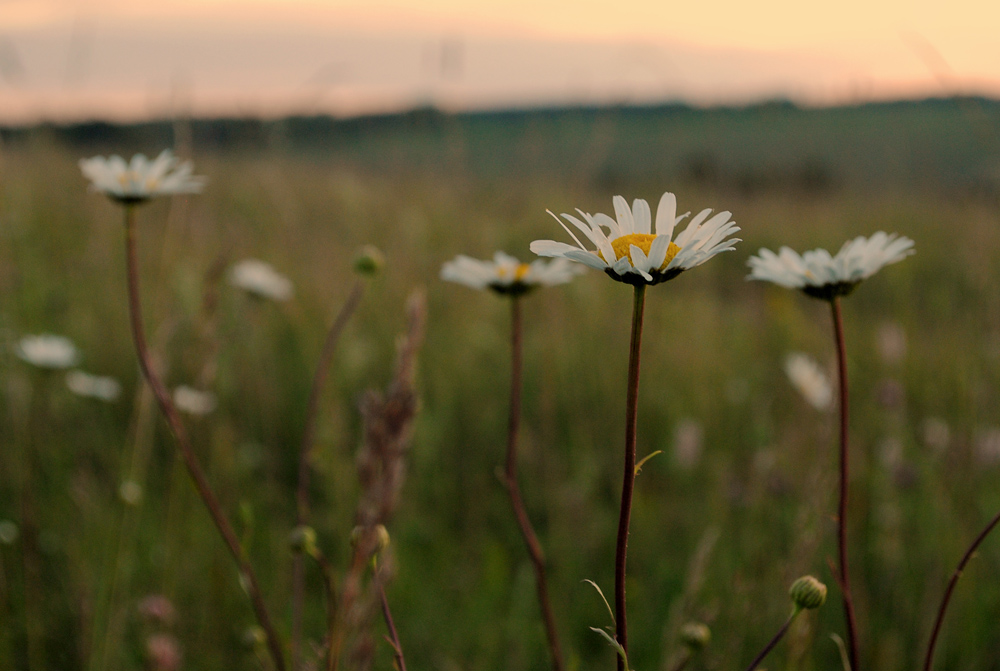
(643, 241)
(519, 272)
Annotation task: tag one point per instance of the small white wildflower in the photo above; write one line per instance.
(8, 532)
(688, 444)
(93, 386)
(260, 279)
(47, 351)
(507, 275)
(130, 492)
(141, 179)
(193, 401)
(806, 375)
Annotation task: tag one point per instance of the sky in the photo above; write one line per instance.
(69, 60)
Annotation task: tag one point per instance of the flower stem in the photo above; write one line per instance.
(305, 452)
(187, 453)
(928, 660)
(397, 647)
(628, 481)
(513, 490)
(844, 577)
(773, 642)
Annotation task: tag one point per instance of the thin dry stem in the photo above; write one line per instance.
(194, 469)
(305, 455)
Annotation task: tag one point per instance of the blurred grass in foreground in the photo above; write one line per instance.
(721, 526)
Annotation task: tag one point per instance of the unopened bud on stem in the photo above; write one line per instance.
(807, 593)
(368, 261)
(695, 636)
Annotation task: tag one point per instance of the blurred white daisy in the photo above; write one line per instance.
(47, 351)
(260, 279)
(193, 401)
(507, 275)
(806, 376)
(140, 179)
(93, 386)
(823, 276)
(628, 252)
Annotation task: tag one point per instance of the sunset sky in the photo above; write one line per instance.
(73, 59)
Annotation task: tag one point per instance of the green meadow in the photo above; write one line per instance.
(739, 504)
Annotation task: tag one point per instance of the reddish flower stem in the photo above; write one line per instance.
(929, 659)
(514, 491)
(773, 642)
(628, 481)
(305, 453)
(397, 647)
(844, 577)
(194, 469)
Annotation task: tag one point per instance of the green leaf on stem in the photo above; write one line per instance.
(594, 584)
(638, 467)
(614, 644)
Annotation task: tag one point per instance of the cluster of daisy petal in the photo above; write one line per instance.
(821, 275)
(140, 179)
(507, 275)
(629, 252)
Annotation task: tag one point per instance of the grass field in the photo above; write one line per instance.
(740, 504)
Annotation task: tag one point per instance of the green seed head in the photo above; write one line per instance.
(808, 593)
(368, 261)
(695, 635)
(303, 539)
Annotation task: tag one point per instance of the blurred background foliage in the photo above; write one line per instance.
(738, 506)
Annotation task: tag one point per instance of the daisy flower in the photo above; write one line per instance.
(93, 386)
(628, 252)
(260, 279)
(47, 351)
(140, 179)
(507, 275)
(806, 376)
(194, 402)
(823, 276)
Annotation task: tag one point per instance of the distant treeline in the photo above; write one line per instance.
(950, 143)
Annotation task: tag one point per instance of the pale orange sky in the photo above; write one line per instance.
(135, 58)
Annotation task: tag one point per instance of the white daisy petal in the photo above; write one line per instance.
(641, 216)
(666, 215)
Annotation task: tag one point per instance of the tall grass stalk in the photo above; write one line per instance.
(187, 452)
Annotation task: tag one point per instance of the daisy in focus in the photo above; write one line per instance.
(140, 179)
(47, 351)
(629, 252)
(823, 276)
(806, 376)
(260, 279)
(507, 275)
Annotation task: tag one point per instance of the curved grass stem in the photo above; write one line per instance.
(628, 480)
(305, 454)
(773, 642)
(514, 491)
(194, 469)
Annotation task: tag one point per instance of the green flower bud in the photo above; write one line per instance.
(695, 635)
(381, 537)
(303, 539)
(254, 637)
(368, 261)
(807, 593)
